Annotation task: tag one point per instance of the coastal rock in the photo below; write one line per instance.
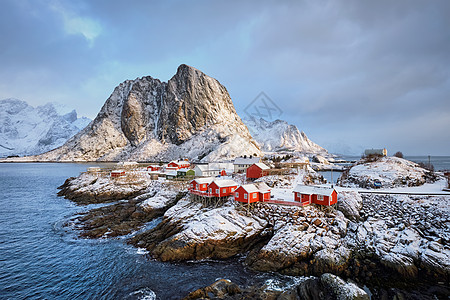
(91, 188)
(189, 231)
(190, 116)
(350, 203)
(389, 171)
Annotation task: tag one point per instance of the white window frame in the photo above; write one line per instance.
(217, 191)
(245, 196)
(320, 197)
(224, 190)
(254, 195)
(237, 194)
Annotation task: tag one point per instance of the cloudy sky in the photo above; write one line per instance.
(351, 74)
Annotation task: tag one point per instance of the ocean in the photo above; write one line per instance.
(42, 259)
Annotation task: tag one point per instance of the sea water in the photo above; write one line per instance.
(42, 259)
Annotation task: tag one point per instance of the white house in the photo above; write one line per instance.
(206, 171)
(241, 164)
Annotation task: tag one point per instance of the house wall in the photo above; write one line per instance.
(253, 172)
(224, 191)
(243, 192)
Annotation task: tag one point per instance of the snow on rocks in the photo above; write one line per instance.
(389, 171)
(199, 233)
(91, 188)
(405, 234)
(350, 203)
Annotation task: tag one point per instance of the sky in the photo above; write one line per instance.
(351, 74)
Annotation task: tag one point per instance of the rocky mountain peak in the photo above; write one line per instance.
(192, 115)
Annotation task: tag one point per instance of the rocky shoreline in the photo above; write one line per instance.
(383, 242)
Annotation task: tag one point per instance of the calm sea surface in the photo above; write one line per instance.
(41, 259)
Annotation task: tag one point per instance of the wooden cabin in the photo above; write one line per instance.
(241, 164)
(117, 173)
(183, 173)
(200, 185)
(206, 171)
(178, 164)
(153, 168)
(250, 193)
(171, 175)
(222, 188)
(257, 170)
(306, 195)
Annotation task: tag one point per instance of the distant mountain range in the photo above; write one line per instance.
(280, 136)
(28, 130)
(190, 116)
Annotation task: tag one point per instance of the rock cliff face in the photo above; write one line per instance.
(279, 136)
(191, 116)
(28, 130)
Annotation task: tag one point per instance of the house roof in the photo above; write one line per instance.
(204, 168)
(262, 186)
(256, 187)
(207, 180)
(262, 166)
(310, 190)
(183, 170)
(180, 162)
(246, 161)
(225, 183)
(172, 173)
(250, 188)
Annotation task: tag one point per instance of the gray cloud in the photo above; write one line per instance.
(352, 74)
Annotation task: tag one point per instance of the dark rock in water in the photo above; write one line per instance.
(327, 287)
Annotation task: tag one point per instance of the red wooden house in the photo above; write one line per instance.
(117, 173)
(250, 193)
(222, 188)
(257, 170)
(199, 186)
(312, 194)
(153, 168)
(178, 164)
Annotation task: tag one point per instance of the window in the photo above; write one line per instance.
(237, 194)
(217, 191)
(254, 195)
(224, 190)
(210, 190)
(232, 189)
(245, 196)
(319, 197)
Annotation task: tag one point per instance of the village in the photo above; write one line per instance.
(239, 180)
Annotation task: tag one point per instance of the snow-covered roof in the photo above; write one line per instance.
(180, 162)
(262, 187)
(250, 188)
(117, 171)
(205, 168)
(256, 187)
(246, 161)
(225, 183)
(262, 166)
(310, 190)
(172, 173)
(207, 180)
(183, 170)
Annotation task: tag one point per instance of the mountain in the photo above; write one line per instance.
(190, 116)
(280, 136)
(28, 130)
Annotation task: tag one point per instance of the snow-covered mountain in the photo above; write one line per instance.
(28, 130)
(190, 116)
(279, 136)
